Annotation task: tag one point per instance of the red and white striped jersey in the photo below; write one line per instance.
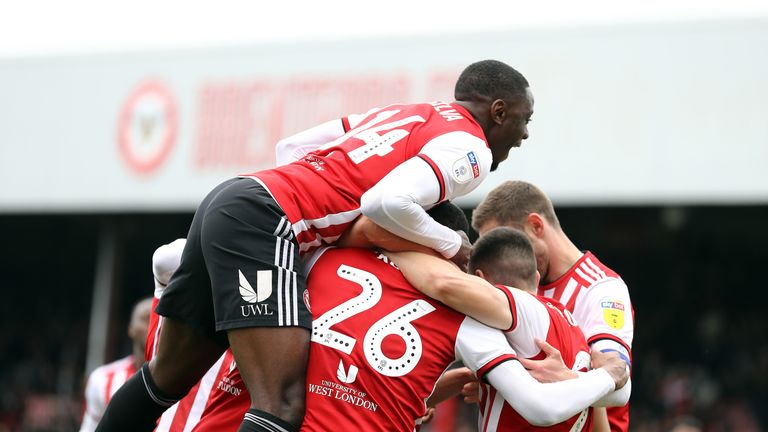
(216, 403)
(599, 300)
(102, 384)
(320, 193)
(379, 345)
(536, 317)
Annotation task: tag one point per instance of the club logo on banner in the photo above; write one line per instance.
(147, 126)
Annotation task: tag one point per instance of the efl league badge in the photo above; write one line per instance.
(613, 312)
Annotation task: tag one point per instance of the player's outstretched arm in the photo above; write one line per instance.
(299, 145)
(443, 281)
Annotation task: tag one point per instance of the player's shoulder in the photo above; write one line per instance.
(590, 271)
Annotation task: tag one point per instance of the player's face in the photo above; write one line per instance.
(512, 130)
(539, 246)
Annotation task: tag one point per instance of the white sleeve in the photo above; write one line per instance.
(536, 401)
(461, 159)
(95, 390)
(397, 204)
(481, 348)
(530, 320)
(165, 261)
(604, 311)
(447, 167)
(299, 145)
(616, 398)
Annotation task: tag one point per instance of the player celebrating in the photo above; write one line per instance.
(596, 296)
(105, 380)
(505, 257)
(241, 283)
(220, 388)
(379, 346)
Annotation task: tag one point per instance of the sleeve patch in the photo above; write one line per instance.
(466, 168)
(613, 312)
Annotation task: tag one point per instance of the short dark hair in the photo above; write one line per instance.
(490, 79)
(505, 256)
(448, 214)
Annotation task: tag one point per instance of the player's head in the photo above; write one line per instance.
(137, 327)
(448, 214)
(500, 99)
(505, 256)
(520, 205)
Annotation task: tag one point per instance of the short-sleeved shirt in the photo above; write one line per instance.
(545, 319)
(379, 345)
(599, 300)
(320, 193)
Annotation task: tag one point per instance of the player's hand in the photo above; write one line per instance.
(428, 416)
(613, 364)
(461, 258)
(552, 368)
(471, 392)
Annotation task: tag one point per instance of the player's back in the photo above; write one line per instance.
(378, 346)
(546, 319)
(320, 193)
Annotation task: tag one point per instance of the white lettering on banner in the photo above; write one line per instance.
(239, 121)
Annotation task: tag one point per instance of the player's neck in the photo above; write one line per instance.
(563, 255)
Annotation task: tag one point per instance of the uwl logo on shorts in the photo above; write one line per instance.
(262, 292)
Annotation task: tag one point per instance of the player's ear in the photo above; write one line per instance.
(535, 223)
(498, 111)
(480, 273)
(538, 278)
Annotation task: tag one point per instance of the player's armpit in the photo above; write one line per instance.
(364, 233)
(443, 281)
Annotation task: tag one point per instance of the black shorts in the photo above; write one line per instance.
(240, 266)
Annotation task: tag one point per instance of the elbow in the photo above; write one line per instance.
(378, 206)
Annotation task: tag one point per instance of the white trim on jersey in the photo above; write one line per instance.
(264, 423)
(570, 288)
(583, 275)
(590, 271)
(594, 266)
(326, 221)
(166, 420)
(532, 320)
(203, 393)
